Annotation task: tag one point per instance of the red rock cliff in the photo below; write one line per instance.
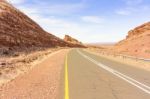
(137, 42)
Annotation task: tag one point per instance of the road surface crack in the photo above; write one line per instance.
(112, 90)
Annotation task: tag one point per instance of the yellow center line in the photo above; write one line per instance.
(66, 79)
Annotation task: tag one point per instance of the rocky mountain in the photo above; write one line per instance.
(19, 32)
(72, 40)
(137, 42)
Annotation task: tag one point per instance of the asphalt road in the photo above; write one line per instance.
(94, 77)
(82, 76)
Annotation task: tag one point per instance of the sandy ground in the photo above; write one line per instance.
(42, 82)
(12, 66)
(136, 63)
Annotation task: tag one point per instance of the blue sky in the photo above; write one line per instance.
(87, 20)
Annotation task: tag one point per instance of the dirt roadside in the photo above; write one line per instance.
(42, 82)
(13, 66)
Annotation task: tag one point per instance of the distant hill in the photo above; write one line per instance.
(137, 42)
(101, 44)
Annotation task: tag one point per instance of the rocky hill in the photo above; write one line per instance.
(73, 41)
(19, 32)
(137, 42)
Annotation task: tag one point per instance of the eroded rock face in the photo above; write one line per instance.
(72, 40)
(139, 30)
(137, 42)
(18, 31)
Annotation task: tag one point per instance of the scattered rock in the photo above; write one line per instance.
(3, 64)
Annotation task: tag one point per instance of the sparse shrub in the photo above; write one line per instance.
(0, 73)
(3, 64)
(5, 52)
(136, 50)
(16, 54)
(10, 49)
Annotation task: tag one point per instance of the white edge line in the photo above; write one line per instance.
(116, 73)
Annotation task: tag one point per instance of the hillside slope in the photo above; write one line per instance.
(137, 42)
(18, 31)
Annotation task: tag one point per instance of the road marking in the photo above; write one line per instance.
(128, 79)
(66, 79)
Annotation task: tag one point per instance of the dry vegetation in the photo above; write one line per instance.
(12, 66)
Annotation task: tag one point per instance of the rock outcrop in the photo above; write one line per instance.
(137, 42)
(72, 40)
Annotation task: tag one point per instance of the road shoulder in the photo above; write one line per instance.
(41, 82)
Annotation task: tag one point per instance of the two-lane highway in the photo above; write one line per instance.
(94, 77)
(84, 76)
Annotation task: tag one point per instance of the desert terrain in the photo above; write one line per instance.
(23, 43)
(35, 64)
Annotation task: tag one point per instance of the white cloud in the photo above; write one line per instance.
(133, 2)
(133, 7)
(51, 21)
(65, 8)
(28, 11)
(123, 12)
(92, 19)
(58, 26)
(55, 9)
(16, 1)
